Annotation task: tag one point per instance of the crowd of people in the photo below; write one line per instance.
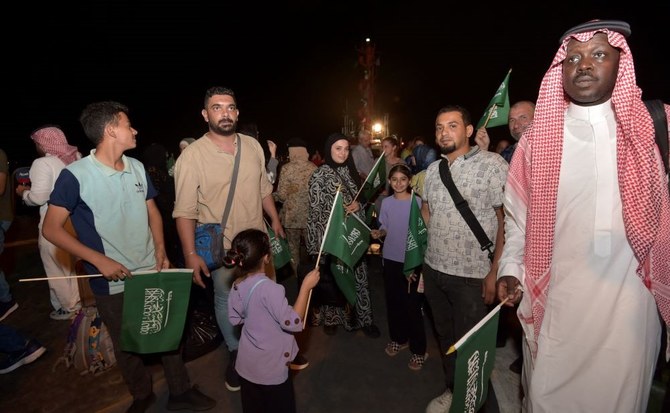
(574, 206)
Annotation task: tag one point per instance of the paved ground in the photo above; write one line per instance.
(348, 372)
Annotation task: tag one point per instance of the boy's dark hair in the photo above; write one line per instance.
(96, 116)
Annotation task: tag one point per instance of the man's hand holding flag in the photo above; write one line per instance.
(497, 111)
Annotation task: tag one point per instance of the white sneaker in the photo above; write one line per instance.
(441, 403)
(61, 314)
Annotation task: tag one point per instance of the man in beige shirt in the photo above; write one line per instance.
(203, 178)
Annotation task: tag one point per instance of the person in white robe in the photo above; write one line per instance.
(587, 232)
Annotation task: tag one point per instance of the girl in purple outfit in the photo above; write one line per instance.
(403, 300)
(267, 343)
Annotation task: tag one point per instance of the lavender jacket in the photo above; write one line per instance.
(267, 344)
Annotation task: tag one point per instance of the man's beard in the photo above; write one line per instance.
(446, 150)
(226, 130)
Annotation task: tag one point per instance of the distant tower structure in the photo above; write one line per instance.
(368, 61)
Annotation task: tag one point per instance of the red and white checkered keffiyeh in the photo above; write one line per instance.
(534, 174)
(53, 141)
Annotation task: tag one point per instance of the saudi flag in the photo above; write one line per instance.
(347, 237)
(281, 253)
(375, 179)
(344, 278)
(417, 238)
(154, 310)
(497, 111)
(475, 358)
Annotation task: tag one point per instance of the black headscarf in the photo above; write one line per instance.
(349, 163)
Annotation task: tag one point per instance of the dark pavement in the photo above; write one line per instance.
(348, 372)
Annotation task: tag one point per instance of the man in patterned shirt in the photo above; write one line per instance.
(459, 277)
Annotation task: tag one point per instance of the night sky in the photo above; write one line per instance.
(293, 66)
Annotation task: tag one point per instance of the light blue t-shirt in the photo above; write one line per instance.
(109, 213)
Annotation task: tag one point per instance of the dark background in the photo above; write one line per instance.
(293, 65)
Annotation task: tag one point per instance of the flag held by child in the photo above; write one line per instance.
(497, 111)
(281, 253)
(475, 358)
(417, 238)
(154, 310)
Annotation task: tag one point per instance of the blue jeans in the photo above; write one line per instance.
(5, 294)
(223, 279)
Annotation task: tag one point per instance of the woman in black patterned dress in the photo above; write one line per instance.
(338, 170)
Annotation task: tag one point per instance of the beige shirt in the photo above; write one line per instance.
(203, 175)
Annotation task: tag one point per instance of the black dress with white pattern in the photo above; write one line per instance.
(323, 186)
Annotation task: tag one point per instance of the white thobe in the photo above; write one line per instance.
(600, 336)
(63, 293)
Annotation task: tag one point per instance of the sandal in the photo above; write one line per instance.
(394, 348)
(416, 361)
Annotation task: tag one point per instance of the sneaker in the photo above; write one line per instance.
(142, 405)
(371, 331)
(232, 378)
(394, 348)
(416, 361)
(191, 399)
(441, 403)
(31, 352)
(299, 362)
(7, 308)
(61, 314)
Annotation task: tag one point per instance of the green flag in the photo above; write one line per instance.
(347, 238)
(344, 278)
(376, 179)
(154, 310)
(417, 238)
(281, 253)
(498, 107)
(475, 358)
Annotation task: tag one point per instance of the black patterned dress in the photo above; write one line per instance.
(323, 186)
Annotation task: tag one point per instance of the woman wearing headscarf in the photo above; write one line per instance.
(338, 171)
(56, 154)
(184, 143)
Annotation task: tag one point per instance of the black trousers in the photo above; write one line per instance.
(261, 398)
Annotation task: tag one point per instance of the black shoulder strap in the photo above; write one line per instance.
(657, 112)
(464, 209)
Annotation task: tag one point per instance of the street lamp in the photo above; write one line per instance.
(377, 128)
